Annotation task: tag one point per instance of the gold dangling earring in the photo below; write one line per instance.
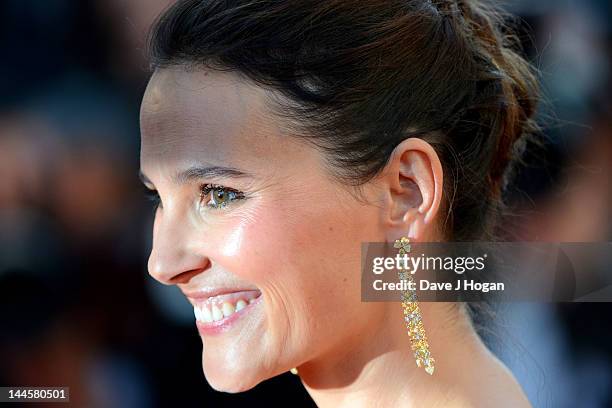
(412, 316)
(294, 371)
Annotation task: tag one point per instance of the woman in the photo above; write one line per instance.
(280, 135)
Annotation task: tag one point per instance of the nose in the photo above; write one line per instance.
(173, 259)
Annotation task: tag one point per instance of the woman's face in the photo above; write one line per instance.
(252, 228)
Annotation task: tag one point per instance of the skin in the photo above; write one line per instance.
(296, 237)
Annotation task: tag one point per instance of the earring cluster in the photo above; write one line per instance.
(412, 315)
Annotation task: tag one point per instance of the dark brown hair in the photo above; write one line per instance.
(358, 77)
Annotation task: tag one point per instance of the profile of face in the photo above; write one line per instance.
(258, 234)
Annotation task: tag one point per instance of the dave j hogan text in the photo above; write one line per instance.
(424, 284)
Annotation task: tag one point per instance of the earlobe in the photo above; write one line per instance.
(415, 180)
(416, 228)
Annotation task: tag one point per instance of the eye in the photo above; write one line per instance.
(217, 197)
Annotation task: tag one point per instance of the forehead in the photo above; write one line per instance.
(195, 116)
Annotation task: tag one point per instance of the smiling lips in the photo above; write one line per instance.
(213, 311)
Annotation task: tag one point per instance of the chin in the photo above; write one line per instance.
(232, 379)
(229, 385)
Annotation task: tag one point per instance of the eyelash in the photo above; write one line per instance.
(205, 190)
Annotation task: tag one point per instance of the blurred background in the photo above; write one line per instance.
(77, 307)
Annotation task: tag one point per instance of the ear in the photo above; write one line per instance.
(412, 183)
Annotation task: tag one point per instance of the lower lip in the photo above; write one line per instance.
(223, 325)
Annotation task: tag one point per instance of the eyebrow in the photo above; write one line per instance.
(202, 172)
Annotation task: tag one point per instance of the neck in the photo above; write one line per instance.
(377, 368)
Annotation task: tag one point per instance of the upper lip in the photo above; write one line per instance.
(210, 292)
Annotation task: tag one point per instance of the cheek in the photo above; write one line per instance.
(279, 245)
(306, 261)
(236, 242)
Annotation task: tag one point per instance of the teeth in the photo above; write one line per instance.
(216, 313)
(240, 305)
(207, 314)
(227, 309)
